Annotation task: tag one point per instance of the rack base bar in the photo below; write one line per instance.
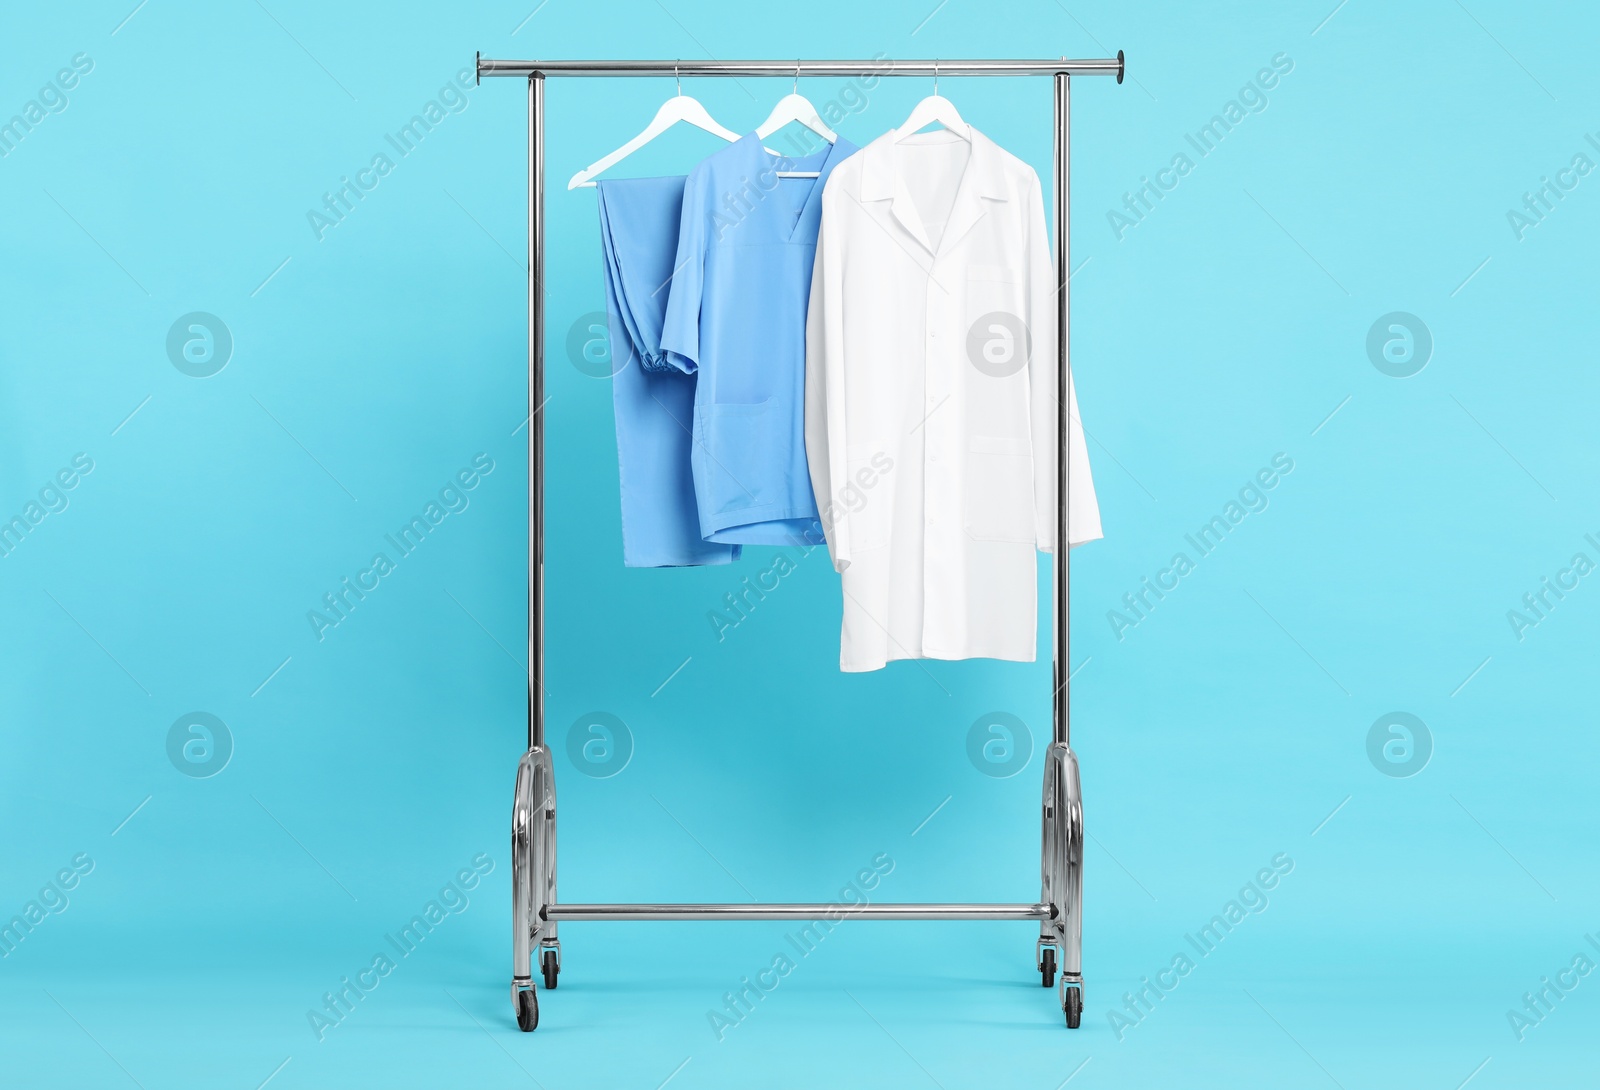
(933, 911)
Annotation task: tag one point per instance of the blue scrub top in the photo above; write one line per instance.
(653, 400)
(736, 317)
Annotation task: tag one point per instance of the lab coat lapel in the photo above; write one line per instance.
(905, 213)
(882, 188)
(979, 185)
(883, 185)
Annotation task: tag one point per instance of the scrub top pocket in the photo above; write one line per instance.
(751, 505)
(728, 432)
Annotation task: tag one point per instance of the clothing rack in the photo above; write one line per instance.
(535, 909)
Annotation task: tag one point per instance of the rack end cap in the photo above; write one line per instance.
(1122, 66)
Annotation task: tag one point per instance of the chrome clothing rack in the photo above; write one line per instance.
(535, 910)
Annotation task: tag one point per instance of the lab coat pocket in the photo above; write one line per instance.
(735, 435)
(999, 489)
(998, 339)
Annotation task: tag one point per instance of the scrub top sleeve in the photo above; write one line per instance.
(680, 332)
(825, 416)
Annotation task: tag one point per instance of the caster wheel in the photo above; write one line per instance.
(1047, 967)
(1072, 1004)
(527, 1010)
(551, 966)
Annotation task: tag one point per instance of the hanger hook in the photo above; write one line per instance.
(796, 88)
(676, 80)
(936, 75)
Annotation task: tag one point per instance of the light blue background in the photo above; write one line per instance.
(1228, 726)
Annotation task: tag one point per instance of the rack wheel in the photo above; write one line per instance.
(527, 1010)
(1047, 967)
(1072, 1003)
(551, 965)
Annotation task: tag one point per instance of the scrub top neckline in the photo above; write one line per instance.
(821, 161)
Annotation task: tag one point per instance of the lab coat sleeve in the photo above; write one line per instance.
(825, 415)
(680, 331)
(1044, 392)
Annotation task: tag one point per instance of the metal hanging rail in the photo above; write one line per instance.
(535, 910)
(801, 912)
(1107, 66)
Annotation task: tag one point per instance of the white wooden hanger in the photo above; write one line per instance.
(678, 108)
(934, 108)
(795, 107)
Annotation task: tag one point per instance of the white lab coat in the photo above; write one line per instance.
(930, 425)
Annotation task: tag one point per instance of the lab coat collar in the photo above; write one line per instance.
(983, 180)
